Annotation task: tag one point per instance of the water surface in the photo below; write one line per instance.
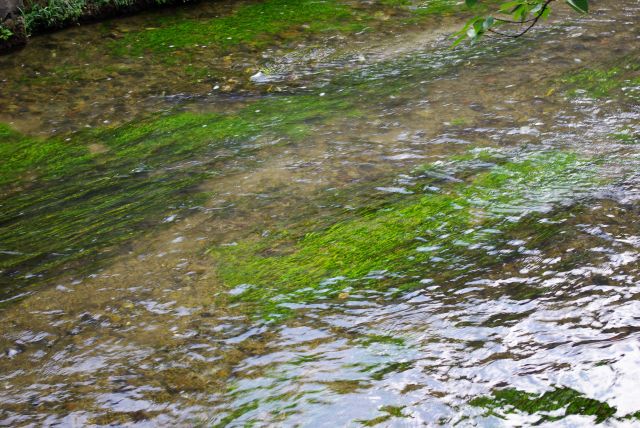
(425, 237)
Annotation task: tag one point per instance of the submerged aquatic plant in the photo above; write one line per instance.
(605, 82)
(67, 199)
(248, 24)
(550, 406)
(417, 238)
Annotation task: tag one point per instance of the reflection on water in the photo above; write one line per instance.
(516, 305)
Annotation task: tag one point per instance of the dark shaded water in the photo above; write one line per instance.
(454, 242)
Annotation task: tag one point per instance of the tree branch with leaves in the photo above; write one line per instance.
(513, 19)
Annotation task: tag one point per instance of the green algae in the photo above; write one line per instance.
(150, 149)
(73, 198)
(253, 23)
(406, 239)
(626, 135)
(22, 155)
(262, 23)
(390, 412)
(605, 82)
(381, 338)
(249, 23)
(439, 7)
(505, 401)
(459, 121)
(236, 413)
(427, 7)
(134, 158)
(420, 9)
(394, 367)
(396, 3)
(189, 45)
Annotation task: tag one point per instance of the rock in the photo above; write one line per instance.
(13, 34)
(9, 7)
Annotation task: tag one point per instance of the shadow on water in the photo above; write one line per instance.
(434, 238)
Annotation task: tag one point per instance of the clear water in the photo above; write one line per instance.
(151, 333)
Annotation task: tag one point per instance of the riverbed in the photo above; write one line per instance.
(340, 221)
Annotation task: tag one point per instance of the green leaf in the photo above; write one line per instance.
(545, 13)
(457, 41)
(537, 8)
(488, 23)
(509, 7)
(470, 3)
(581, 6)
(520, 12)
(472, 33)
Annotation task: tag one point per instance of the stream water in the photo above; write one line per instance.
(348, 229)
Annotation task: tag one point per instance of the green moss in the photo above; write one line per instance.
(70, 199)
(439, 7)
(459, 121)
(394, 367)
(627, 135)
(396, 3)
(390, 412)
(177, 41)
(21, 155)
(77, 209)
(605, 83)
(236, 413)
(254, 23)
(427, 8)
(505, 401)
(377, 338)
(394, 411)
(632, 416)
(285, 268)
(423, 8)
(259, 24)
